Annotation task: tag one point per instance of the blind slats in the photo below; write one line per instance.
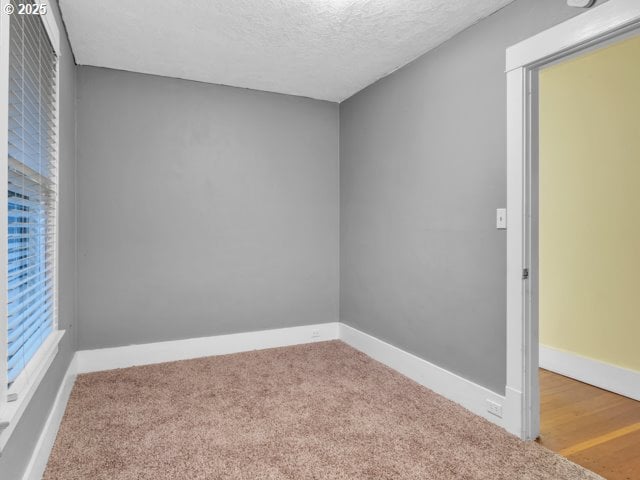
(27, 275)
(20, 293)
(16, 321)
(25, 331)
(24, 260)
(29, 341)
(24, 314)
(28, 349)
(32, 191)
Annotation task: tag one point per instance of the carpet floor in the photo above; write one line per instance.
(318, 411)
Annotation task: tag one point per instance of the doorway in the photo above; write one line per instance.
(524, 62)
(586, 231)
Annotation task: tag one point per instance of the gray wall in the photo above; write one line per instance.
(202, 209)
(18, 450)
(423, 168)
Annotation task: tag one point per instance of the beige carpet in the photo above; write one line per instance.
(319, 411)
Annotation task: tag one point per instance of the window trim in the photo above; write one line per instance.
(24, 387)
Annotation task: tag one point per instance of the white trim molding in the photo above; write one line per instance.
(149, 353)
(601, 24)
(26, 385)
(51, 26)
(574, 34)
(38, 462)
(466, 393)
(613, 378)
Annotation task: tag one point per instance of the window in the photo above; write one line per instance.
(31, 192)
(28, 315)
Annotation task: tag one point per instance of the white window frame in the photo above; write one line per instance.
(14, 400)
(591, 28)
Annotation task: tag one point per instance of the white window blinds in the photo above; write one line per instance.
(31, 190)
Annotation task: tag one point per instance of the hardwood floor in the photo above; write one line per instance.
(594, 428)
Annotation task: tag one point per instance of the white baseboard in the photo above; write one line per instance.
(603, 375)
(470, 395)
(38, 462)
(512, 420)
(149, 353)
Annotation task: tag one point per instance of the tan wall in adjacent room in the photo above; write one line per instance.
(590, 205)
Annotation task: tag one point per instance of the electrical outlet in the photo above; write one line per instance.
(315, 333)
(494, 408)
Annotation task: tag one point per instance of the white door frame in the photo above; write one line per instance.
(616, 17)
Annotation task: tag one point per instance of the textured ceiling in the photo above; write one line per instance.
(326, 49)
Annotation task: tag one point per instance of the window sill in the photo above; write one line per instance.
(25, 386)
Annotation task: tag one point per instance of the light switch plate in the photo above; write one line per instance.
(501, 218)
